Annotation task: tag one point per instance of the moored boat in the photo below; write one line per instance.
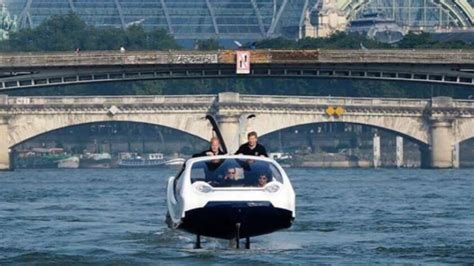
(175, 163)
(133, 160)
(69, 163)
(95, 160)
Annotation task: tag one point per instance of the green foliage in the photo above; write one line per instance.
(68, 32)
(342, 40)
(277, 43)
(208, 45)
(426, 41)
(339, 40)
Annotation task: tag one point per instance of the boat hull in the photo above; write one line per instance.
(70, 163)
(95, 165)
(219, 219)
(141, 165)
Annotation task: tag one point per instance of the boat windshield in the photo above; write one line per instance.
(235, 173)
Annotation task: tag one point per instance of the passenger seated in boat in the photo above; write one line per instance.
(252, 170)
(211, 173)
(262, 180)
(231, 174)
(233, 177)
(234, 172)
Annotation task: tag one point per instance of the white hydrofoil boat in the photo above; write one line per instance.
(230, 197)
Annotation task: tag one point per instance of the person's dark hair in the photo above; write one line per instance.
(253, 133)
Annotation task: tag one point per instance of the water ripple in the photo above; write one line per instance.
(361, 216)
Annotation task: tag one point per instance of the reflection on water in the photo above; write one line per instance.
(343, 216)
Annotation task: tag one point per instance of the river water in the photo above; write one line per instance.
(343, 216)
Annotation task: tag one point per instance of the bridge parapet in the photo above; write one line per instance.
(464, 104)
(232, 98)
(107, 58)
(114, 58)
(94, 100)
(225, 98)
(324, 101)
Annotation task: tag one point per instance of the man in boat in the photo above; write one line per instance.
(214, 149)
(262, 180)
(233, 177)
(252, 147)
(231, 174)
(212, 165)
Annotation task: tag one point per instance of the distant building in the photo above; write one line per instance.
(242, 20)
(7, 24)
(387, 20)
(249, 20)
(377, 27)
(324, 20)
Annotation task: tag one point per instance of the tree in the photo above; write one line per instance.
(208, 45)
(68, 32)
(413, 40)
(58, 33)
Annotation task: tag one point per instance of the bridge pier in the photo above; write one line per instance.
(4, 145)
(229, 125)
(441, 133)
(229, 120)
(442, 144)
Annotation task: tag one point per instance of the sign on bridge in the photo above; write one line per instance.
(243, 62)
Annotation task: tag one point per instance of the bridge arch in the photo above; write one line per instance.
(417, 141)
(460, 10)
(24, 128)
(465, 130)
(413, 128)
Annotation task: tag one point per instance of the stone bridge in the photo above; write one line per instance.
(31, 70)
(438, 124)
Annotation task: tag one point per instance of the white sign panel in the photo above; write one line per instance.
(243, 62)
(22, 100)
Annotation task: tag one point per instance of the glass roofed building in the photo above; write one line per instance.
(422, 14)
(243, 19)
(185, 19)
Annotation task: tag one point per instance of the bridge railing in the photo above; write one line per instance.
(464, 103)
(107, 58)
(111, 58)
(210, 99)
(338, 101)
(397, 56)
(94, 100)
